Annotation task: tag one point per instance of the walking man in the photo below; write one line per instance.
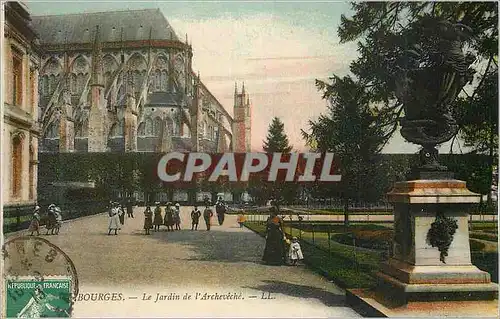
(207, 215)
(130, 208)
(195, 216)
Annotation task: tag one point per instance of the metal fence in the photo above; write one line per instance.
(69, 210)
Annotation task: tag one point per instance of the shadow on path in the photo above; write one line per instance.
(219, 246)
(300, 291)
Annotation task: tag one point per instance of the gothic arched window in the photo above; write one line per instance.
(72, 83)
(107, 77)
(157, 80)
(157, 125)
(216, 129)
(149, 127)
(53, 130)
(164, 81)
(80, 82)
(83, 129)
(170, 127)
(45, 84)
(141, 130)
(17, 164)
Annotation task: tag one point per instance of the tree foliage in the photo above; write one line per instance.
(276, 139)
(352, 132)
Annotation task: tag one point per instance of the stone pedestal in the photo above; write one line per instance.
(418, 271)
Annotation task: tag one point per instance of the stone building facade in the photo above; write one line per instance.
(122, 81)
(20, 61)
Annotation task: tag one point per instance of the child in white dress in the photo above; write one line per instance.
(295, 252)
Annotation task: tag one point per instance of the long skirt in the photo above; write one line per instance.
(169, 220)
(274, 253)
(114, 222)
(34, 225)
(51, 222)
(148, 223)
(158, 220)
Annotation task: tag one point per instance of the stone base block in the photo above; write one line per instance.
(393, 292)
(411, 274)
(365, 302)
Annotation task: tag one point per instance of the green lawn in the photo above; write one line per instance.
(352, 267)
(348, 267)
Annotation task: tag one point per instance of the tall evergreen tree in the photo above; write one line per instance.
(351, 131)
(262, 190)
(276, 140)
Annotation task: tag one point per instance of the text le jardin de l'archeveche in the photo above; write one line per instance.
(172, 296)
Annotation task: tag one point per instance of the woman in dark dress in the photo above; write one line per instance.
(158, 218)
(169, 217)
(274, 253)
(148, 220)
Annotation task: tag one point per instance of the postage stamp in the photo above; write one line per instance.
(28, 297)
(249, 159)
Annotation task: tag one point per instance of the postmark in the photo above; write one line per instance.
(27, 297)
(32, 261)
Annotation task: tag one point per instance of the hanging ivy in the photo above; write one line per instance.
(441, 234)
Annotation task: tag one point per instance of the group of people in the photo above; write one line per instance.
(275, 252)
(53, 220)
(153, 220)
(172, 218)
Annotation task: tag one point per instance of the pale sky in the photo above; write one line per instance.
(277, 49)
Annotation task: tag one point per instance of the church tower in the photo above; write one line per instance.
(241, 121)
(97, 138)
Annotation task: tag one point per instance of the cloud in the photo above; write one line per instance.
(278, 60)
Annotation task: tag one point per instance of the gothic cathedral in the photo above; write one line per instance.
(122, 81)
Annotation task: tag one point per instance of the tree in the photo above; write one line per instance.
(351, 131)
(386, 30)
(276, 140)
(262, 190)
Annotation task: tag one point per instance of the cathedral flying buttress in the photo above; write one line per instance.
(109, 87)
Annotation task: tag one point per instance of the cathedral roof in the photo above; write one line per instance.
(80, 27)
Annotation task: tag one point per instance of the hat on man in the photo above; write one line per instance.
(37, 208)
(177, 205)
(157, 203)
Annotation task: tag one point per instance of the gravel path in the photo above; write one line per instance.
(226, 259)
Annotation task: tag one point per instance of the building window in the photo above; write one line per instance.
(33, 93)
(72, 83)
(157, 81)
(17, 165)
(157, 125)
(149, 127)
(32, 173)
(141, 131)
(17, 80)
(53, 131)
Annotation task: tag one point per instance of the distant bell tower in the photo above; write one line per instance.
(241, 121)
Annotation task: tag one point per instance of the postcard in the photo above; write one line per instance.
(249, 159)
